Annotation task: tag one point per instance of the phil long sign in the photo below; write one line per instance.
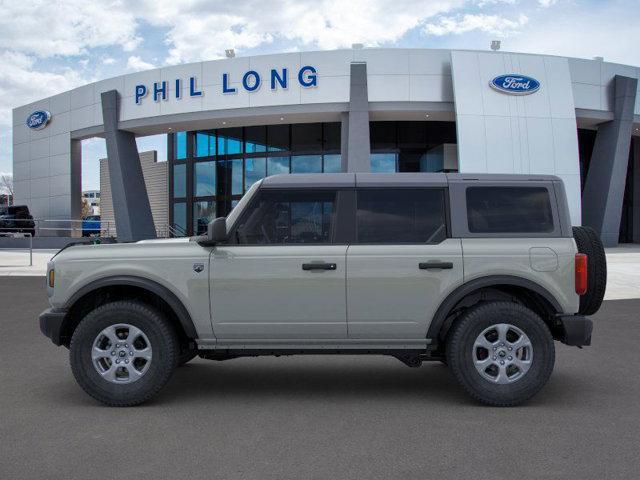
(515, 84)
(250, 81)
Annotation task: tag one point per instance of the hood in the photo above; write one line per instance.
(166, 240)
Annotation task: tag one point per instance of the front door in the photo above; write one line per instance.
(282, 276)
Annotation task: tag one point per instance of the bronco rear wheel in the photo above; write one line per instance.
(123, 353)
(502, 353)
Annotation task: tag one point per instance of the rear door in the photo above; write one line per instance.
(402, 263)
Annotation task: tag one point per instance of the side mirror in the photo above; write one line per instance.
(217, 230)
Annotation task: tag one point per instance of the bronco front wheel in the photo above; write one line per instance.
(123, 353)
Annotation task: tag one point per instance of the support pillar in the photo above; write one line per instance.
(604, 187)
(131, 207)
(358, 146)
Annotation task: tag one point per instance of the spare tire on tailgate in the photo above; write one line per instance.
(589, 243)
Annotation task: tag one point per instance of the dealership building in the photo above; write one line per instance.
(231, 122)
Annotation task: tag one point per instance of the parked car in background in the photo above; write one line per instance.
(91, 225)
(17, 219)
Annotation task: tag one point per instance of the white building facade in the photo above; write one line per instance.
(346, 110)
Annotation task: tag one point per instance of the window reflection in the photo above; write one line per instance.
(203, 213)
(180, 180)
(277, 165)
(383, 162)
(205, 144)
(306, 164)
(180, 218)
(332, 164)
(204, 181)
(180, 146)
(254, 170)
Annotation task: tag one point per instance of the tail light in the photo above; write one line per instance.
(581, 273)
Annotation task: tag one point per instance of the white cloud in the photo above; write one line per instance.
(20, 83)
(108, 61)
(46, 28)
(325, 24)
(547, 3)
(135, 63)
(491, 24)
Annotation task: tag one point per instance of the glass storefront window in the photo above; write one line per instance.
(332, 164)
(180, 218)
(254, 170)
(203, 213)
(229, 141)
(306, 136)
(255, 139)
(180, 180)
(331, 133)
(278, 137)
(204, 179)
(277, 165)
(180, 146)
(383, 162)
(306, 164)
(236, 177)
(205, 144)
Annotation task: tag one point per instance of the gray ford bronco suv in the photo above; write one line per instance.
(480, 272)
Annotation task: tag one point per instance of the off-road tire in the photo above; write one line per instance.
(163, 341)
(460, 344)
(589, 243)
(186, 354)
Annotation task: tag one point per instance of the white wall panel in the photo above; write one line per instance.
(39, 167)
(388, 88)
(39, 149)
(20, 133)
(329, 64)
(515, 134)
(334, 89)
(430, 88)
(212, 71)
(472, 144)
(59, 144)
(384, 61)
(429, 62)
(115, 83)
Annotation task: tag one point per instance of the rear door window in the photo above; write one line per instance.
(400, 215)
(509, 210)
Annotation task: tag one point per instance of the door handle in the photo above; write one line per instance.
(319, 266)
(435, 265)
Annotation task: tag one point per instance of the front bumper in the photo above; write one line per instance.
(51, 321)
(575, 330)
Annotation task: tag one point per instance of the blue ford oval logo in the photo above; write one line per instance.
(38, 119)
(515, 84)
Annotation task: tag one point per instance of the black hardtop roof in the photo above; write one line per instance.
(344, 180)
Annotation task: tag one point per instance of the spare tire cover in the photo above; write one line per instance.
(589, 243)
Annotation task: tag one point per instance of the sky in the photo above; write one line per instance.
(48, 47)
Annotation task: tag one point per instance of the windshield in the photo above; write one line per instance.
(233, 215)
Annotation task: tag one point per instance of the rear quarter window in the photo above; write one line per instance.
(509, 210)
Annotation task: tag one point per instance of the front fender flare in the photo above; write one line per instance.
(150, 285)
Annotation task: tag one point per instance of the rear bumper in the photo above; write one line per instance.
(51, 321)
(576, 330)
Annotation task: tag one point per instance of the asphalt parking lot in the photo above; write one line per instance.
(316, 417)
